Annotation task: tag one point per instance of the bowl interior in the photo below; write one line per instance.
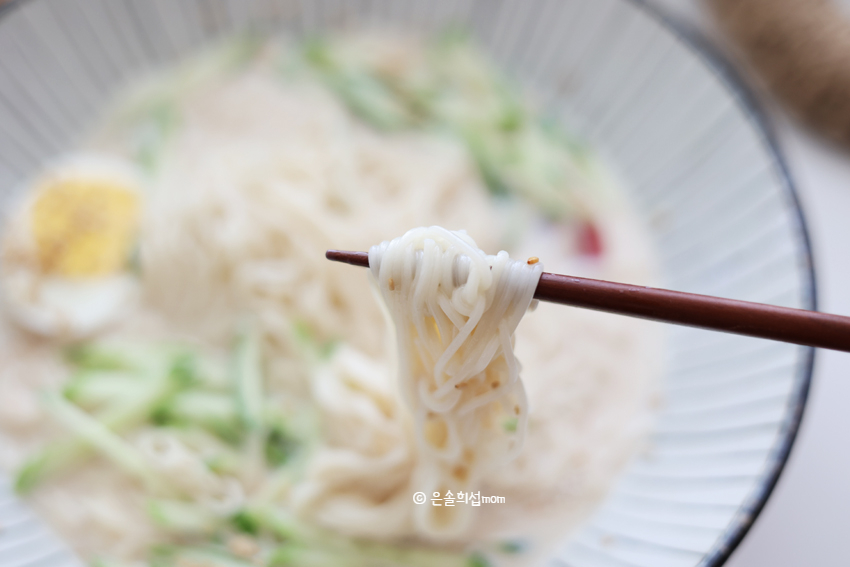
(678, 128)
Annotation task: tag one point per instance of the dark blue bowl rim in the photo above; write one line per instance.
(694, 40)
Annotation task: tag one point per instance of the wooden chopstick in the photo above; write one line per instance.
(797, 326)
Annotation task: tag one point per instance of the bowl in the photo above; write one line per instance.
(669, 115)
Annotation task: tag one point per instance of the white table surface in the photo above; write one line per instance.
(807, 518)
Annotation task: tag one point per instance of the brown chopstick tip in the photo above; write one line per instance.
(347, 257)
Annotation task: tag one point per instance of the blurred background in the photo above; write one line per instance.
(797, 55)
(805, 521)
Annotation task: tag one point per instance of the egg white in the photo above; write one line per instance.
(64, 308)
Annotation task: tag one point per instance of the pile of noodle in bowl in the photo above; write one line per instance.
(256, 164)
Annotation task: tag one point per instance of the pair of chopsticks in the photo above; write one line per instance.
(797, 326)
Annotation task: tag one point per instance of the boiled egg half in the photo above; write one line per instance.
(66, 250)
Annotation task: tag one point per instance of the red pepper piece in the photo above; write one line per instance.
(589, 239)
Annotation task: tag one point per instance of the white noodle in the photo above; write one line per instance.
(470, 405)
(248, 198)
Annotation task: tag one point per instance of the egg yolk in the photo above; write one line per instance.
(84, 227)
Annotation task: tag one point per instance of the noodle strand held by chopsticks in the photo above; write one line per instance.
(457, 369)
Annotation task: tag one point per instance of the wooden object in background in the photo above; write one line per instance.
(801, 50)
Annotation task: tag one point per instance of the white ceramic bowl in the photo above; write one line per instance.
(669, 115)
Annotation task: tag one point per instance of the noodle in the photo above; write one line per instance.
(457, 370)
(253, 177)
